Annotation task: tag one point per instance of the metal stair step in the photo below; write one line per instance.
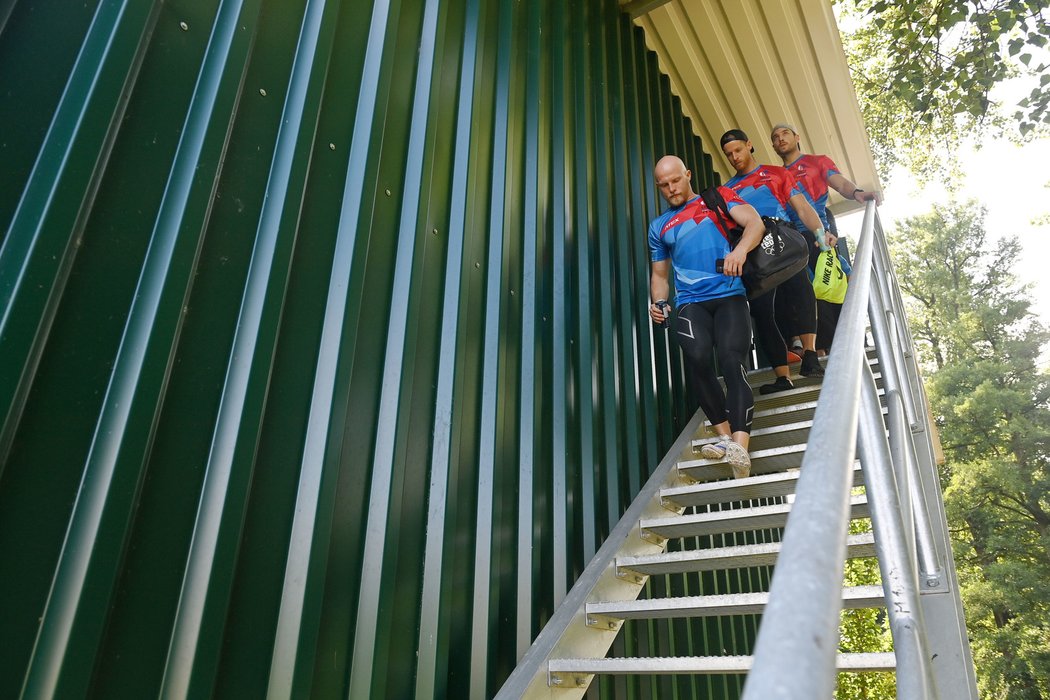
(735, 520)
(784, 415)
(853, 597)
(790, 429)
(677, 665)
(803, 392)
(780, 435)
(771, 436)
(767, 376)
(764, 375)
(729, 490)
(775, 459)
(770, 415)
(806, 389)
(736, 557)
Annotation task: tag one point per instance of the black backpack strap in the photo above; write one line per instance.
(716, 203)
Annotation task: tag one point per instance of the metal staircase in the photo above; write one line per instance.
(695, 506)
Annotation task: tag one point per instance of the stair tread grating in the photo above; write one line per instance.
(764, 461)
(773, 435)
(735, 520)
(718, 605)
(731, 557)
(730, 490)
(868, 661)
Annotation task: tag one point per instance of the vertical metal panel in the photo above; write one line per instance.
(324, 351)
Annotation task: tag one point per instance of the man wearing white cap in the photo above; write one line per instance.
(815, 174)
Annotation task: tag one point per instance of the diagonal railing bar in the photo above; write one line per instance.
(797, 651)
(895, 336)
(566, 634)
(798, 639)
(884, 306)
(896, 564)
(794, 655)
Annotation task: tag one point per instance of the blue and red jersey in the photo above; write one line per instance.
(811, 172)
(768, 188)
(690, 236)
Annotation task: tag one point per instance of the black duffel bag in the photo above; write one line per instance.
(781, 254)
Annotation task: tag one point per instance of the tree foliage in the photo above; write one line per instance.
(864, 630)
(991, 403)
(924, 71)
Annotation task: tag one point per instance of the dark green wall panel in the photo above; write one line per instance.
(324, 356)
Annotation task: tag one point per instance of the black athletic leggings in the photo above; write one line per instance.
(767, 333)
(724, 324)
(796, 305)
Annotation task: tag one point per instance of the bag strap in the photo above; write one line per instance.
(716, 203)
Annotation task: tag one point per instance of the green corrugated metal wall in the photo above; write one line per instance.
(324, 358)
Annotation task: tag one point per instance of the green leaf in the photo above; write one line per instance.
(923, 70)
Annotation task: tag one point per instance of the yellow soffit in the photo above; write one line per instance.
(750, 64)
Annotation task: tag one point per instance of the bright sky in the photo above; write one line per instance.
(1013, 182)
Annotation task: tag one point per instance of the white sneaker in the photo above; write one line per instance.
(738, 458)
(715, 450)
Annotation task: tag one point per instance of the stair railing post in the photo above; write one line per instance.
(950, 661)
(897, 425)
(798, 640)
(891, 363)
(899, 578)
(931, 559)
(895, 301)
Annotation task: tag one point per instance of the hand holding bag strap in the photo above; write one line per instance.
(782, 254)
(716, 203)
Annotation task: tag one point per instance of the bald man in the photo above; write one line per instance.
(712, 311)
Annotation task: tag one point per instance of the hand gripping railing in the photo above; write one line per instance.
(798, 640)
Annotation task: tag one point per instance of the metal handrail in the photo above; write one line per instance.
(895, 556)
(885, 304)
(948, 666)
(798, 640)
